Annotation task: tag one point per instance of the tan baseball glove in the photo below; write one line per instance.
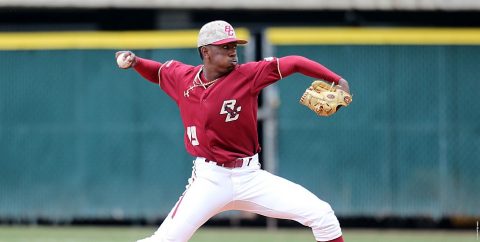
(324, 98)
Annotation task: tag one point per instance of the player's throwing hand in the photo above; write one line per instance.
(125, 59)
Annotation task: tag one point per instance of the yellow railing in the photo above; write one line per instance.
(374, 36)
(104, 39)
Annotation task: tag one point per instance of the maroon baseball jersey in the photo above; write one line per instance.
(220, 121)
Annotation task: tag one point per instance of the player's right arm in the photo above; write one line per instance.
(148, 69)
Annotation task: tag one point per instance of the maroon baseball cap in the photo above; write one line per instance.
(217, 33)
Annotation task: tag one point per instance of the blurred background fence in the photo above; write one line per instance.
(407, 146)
(82, 139)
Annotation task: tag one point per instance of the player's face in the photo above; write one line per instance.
(223, 56)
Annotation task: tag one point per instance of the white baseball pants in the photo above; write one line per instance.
(213, 189)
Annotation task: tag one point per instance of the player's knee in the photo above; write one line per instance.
(326, 227)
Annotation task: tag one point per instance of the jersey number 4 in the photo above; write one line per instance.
(192, 135)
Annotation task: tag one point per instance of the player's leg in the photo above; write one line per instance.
(205, 196)
(273, 196)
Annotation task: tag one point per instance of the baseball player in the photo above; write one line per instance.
(218, 106)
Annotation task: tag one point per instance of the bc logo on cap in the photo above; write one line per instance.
(229, 30)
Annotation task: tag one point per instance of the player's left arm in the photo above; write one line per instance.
(289, 65)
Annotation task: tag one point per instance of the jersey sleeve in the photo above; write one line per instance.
(148, 69)
(170, 76)
(265, 73)
(299, 64)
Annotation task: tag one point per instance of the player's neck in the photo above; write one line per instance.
(211, 74)
(204, 81)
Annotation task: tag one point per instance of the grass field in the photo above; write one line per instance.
(131, 234)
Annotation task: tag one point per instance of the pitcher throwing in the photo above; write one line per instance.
(218, 106)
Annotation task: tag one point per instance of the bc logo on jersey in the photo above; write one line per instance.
(230, 110)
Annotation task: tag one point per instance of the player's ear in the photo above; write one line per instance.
(204, 51)
(201, 51)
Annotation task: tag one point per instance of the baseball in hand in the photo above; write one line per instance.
(124, 60)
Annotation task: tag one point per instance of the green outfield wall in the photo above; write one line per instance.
(409, 145)
(80, 138)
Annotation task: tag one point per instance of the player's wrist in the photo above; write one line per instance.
(343, 84)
